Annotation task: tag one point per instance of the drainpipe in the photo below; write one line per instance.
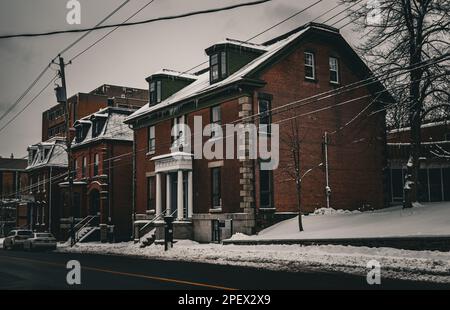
(50, 201)
(327, 186)
(133, 196)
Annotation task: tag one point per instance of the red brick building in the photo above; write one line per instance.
(83, 104)
(45, 208)
(434, 174)
(47, 166)
(102, 153)
(12, 179)
(247, 83)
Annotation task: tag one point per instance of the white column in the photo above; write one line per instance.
(168, 195)
(190, 195)
(180, 195)
(158, 194)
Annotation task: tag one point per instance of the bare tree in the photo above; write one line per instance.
(408, 41)
(292, 165)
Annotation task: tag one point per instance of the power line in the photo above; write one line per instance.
(97, 25)
(29, 103)
(284, 20)
(111, 31)
(208, 11)
(60, 53)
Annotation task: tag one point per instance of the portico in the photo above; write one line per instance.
(177, 168)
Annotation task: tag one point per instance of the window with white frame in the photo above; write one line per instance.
(334, 70)
(179, 139)
(151, 140)
(310, 70)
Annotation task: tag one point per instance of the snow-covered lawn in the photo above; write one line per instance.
(430, 266)
(423, 220)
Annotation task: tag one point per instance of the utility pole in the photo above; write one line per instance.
(62, 98)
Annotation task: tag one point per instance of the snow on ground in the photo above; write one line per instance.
(423, 220)
(431, 219)
(432, 266)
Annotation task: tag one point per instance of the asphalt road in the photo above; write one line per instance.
(42, 270)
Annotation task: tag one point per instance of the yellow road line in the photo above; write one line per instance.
(162, 279)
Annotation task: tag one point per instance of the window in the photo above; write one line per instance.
(218, 66)
(334, 70)
(151, 193)
(216, 117)
(215, 188)
(76, 168)
(265, 186)
(83, 167)
(155, 92)
(265, 116)
(151, 140)
(214, 67)
(310, 71)
(178, 128)
(96, 164)
(223, 64)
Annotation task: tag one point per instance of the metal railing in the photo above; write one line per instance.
(159, 216)
(80, 225)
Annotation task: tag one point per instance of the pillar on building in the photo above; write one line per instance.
(190, 195)
(158, 195)
(168, 195)
(180, 195)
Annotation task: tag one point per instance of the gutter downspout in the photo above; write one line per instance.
(133, 196)
(50, 201)
(327, 186)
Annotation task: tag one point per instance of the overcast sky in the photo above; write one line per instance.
(128, 55)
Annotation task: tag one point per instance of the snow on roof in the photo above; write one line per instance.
(48, 153)
(176, 74)
(203, 85)
(113, 129)
(427, 125)
(243, 44)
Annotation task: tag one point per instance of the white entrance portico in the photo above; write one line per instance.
(177, 167)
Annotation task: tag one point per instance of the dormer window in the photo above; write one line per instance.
(155, 92)
(97, 126)
(218, 66)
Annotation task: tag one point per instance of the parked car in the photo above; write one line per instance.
(43, 241)
(16, 238)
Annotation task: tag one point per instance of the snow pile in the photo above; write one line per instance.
(429, 266)
(239, 236)
(330, 211)
(432, 219)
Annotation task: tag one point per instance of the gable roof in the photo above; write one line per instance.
(272, 48)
